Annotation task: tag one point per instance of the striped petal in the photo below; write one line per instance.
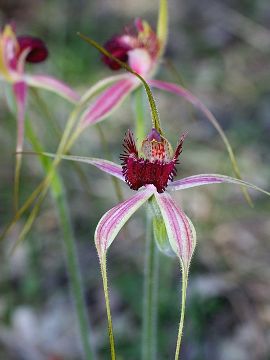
(108, 167)
(113, 221)
(108, 101)
(140, 61)
(52, 84)
(180, 230)
(100, 85)
(206, 179)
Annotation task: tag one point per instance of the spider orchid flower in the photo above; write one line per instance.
(15, 52)
(150, 171)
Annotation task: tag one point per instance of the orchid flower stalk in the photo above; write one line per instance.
(15, 52)
(150, 171)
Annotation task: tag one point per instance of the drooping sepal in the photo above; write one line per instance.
(180, 230)
(113, 221)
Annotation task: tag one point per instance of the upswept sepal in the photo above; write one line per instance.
(187, 95)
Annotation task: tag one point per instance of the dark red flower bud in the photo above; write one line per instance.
(38, 50)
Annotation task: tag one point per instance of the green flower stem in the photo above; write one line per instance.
(150, 296)
(58, 194)
(182, 316)
(107, 302)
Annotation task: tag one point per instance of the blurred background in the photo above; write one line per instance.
(221, 49)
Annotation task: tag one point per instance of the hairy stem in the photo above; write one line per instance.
(182, 317)
(150, 296)
(107, 302)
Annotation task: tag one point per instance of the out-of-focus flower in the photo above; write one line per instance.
(140, 48)
(15, 52)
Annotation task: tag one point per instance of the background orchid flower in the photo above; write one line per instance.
(150, 171)
(15, 52)
(138, 47)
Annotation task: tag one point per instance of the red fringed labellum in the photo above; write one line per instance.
(156, 166)
(38, 51)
